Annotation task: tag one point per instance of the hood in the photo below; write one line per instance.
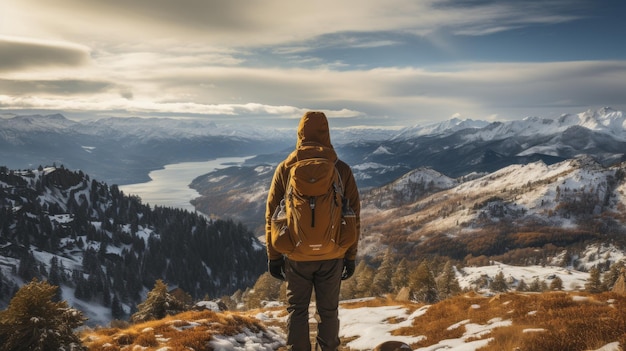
(313, 127)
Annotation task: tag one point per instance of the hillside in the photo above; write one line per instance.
(521, 214)
(106, 249)
(510, 321)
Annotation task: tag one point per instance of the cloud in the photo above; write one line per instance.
(22, 54)
(59, 87)
(271, 58)
(258, 23)
(478, 90)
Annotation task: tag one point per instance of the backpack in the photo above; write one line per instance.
(310, 218)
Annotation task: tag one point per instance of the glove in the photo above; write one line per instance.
(277, 268)
(348, 268)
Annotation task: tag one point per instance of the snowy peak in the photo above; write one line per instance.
(605, 120)
(36, 123)
(440, 128)
(410, 187)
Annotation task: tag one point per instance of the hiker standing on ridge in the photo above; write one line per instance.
(312, 231)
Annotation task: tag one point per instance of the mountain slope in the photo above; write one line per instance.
(106, 249)
(519, 214)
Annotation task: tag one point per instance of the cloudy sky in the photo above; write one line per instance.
(391, 62)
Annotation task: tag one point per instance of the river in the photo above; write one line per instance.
(169, 187)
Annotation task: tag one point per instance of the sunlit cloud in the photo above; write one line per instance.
(279, 58)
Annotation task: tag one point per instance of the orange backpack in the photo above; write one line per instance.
(309, 218)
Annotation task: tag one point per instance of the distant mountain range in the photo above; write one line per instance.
(125, 150)
(457, 148)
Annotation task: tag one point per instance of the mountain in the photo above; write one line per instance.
(454, 148)
(105, 249)
(520, 214)
(457, 149)
(125, 150)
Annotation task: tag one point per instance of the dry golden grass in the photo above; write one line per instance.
(377, 302)
(538, 321)
(190, 330)
(548, 321)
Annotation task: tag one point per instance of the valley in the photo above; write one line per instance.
(170, 186)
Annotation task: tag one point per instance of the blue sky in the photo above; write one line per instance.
(365, 63)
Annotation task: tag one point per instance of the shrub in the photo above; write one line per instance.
(158, 304)
(32, 321)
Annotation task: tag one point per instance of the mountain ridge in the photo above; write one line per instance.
(106, 249)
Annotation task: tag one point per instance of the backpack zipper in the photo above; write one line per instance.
(312, 206)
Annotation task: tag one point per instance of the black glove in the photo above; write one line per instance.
(277, 268)
(348, 268)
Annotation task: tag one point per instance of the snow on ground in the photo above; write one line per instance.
(572, 279)
(246, 341)
(369, 326)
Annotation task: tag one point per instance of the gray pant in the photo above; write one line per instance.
(302, 278)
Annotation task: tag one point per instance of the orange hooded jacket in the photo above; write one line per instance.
(313, 127)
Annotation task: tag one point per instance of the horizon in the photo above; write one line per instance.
(379, 64)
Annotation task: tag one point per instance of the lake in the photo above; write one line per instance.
(169, 187)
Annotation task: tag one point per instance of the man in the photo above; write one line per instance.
(303, 273)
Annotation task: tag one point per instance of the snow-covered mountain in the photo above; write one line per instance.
(457, 148)
(522, 214)
(391, 168)
(105, 249)
(604, 120)
(441, 128)
(125, 150)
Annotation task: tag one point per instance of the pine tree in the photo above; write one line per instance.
(610, 277)
(33, 321)
(499, 283)
(400, 277)
(535, 285)
(348, 287)
(364, 280)
(556, 284)
(422, 284)
(522, 286)
(594, 285)
(117, 311)
(382, 278)
(54, 278)
(159, 303)
(447, 284)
